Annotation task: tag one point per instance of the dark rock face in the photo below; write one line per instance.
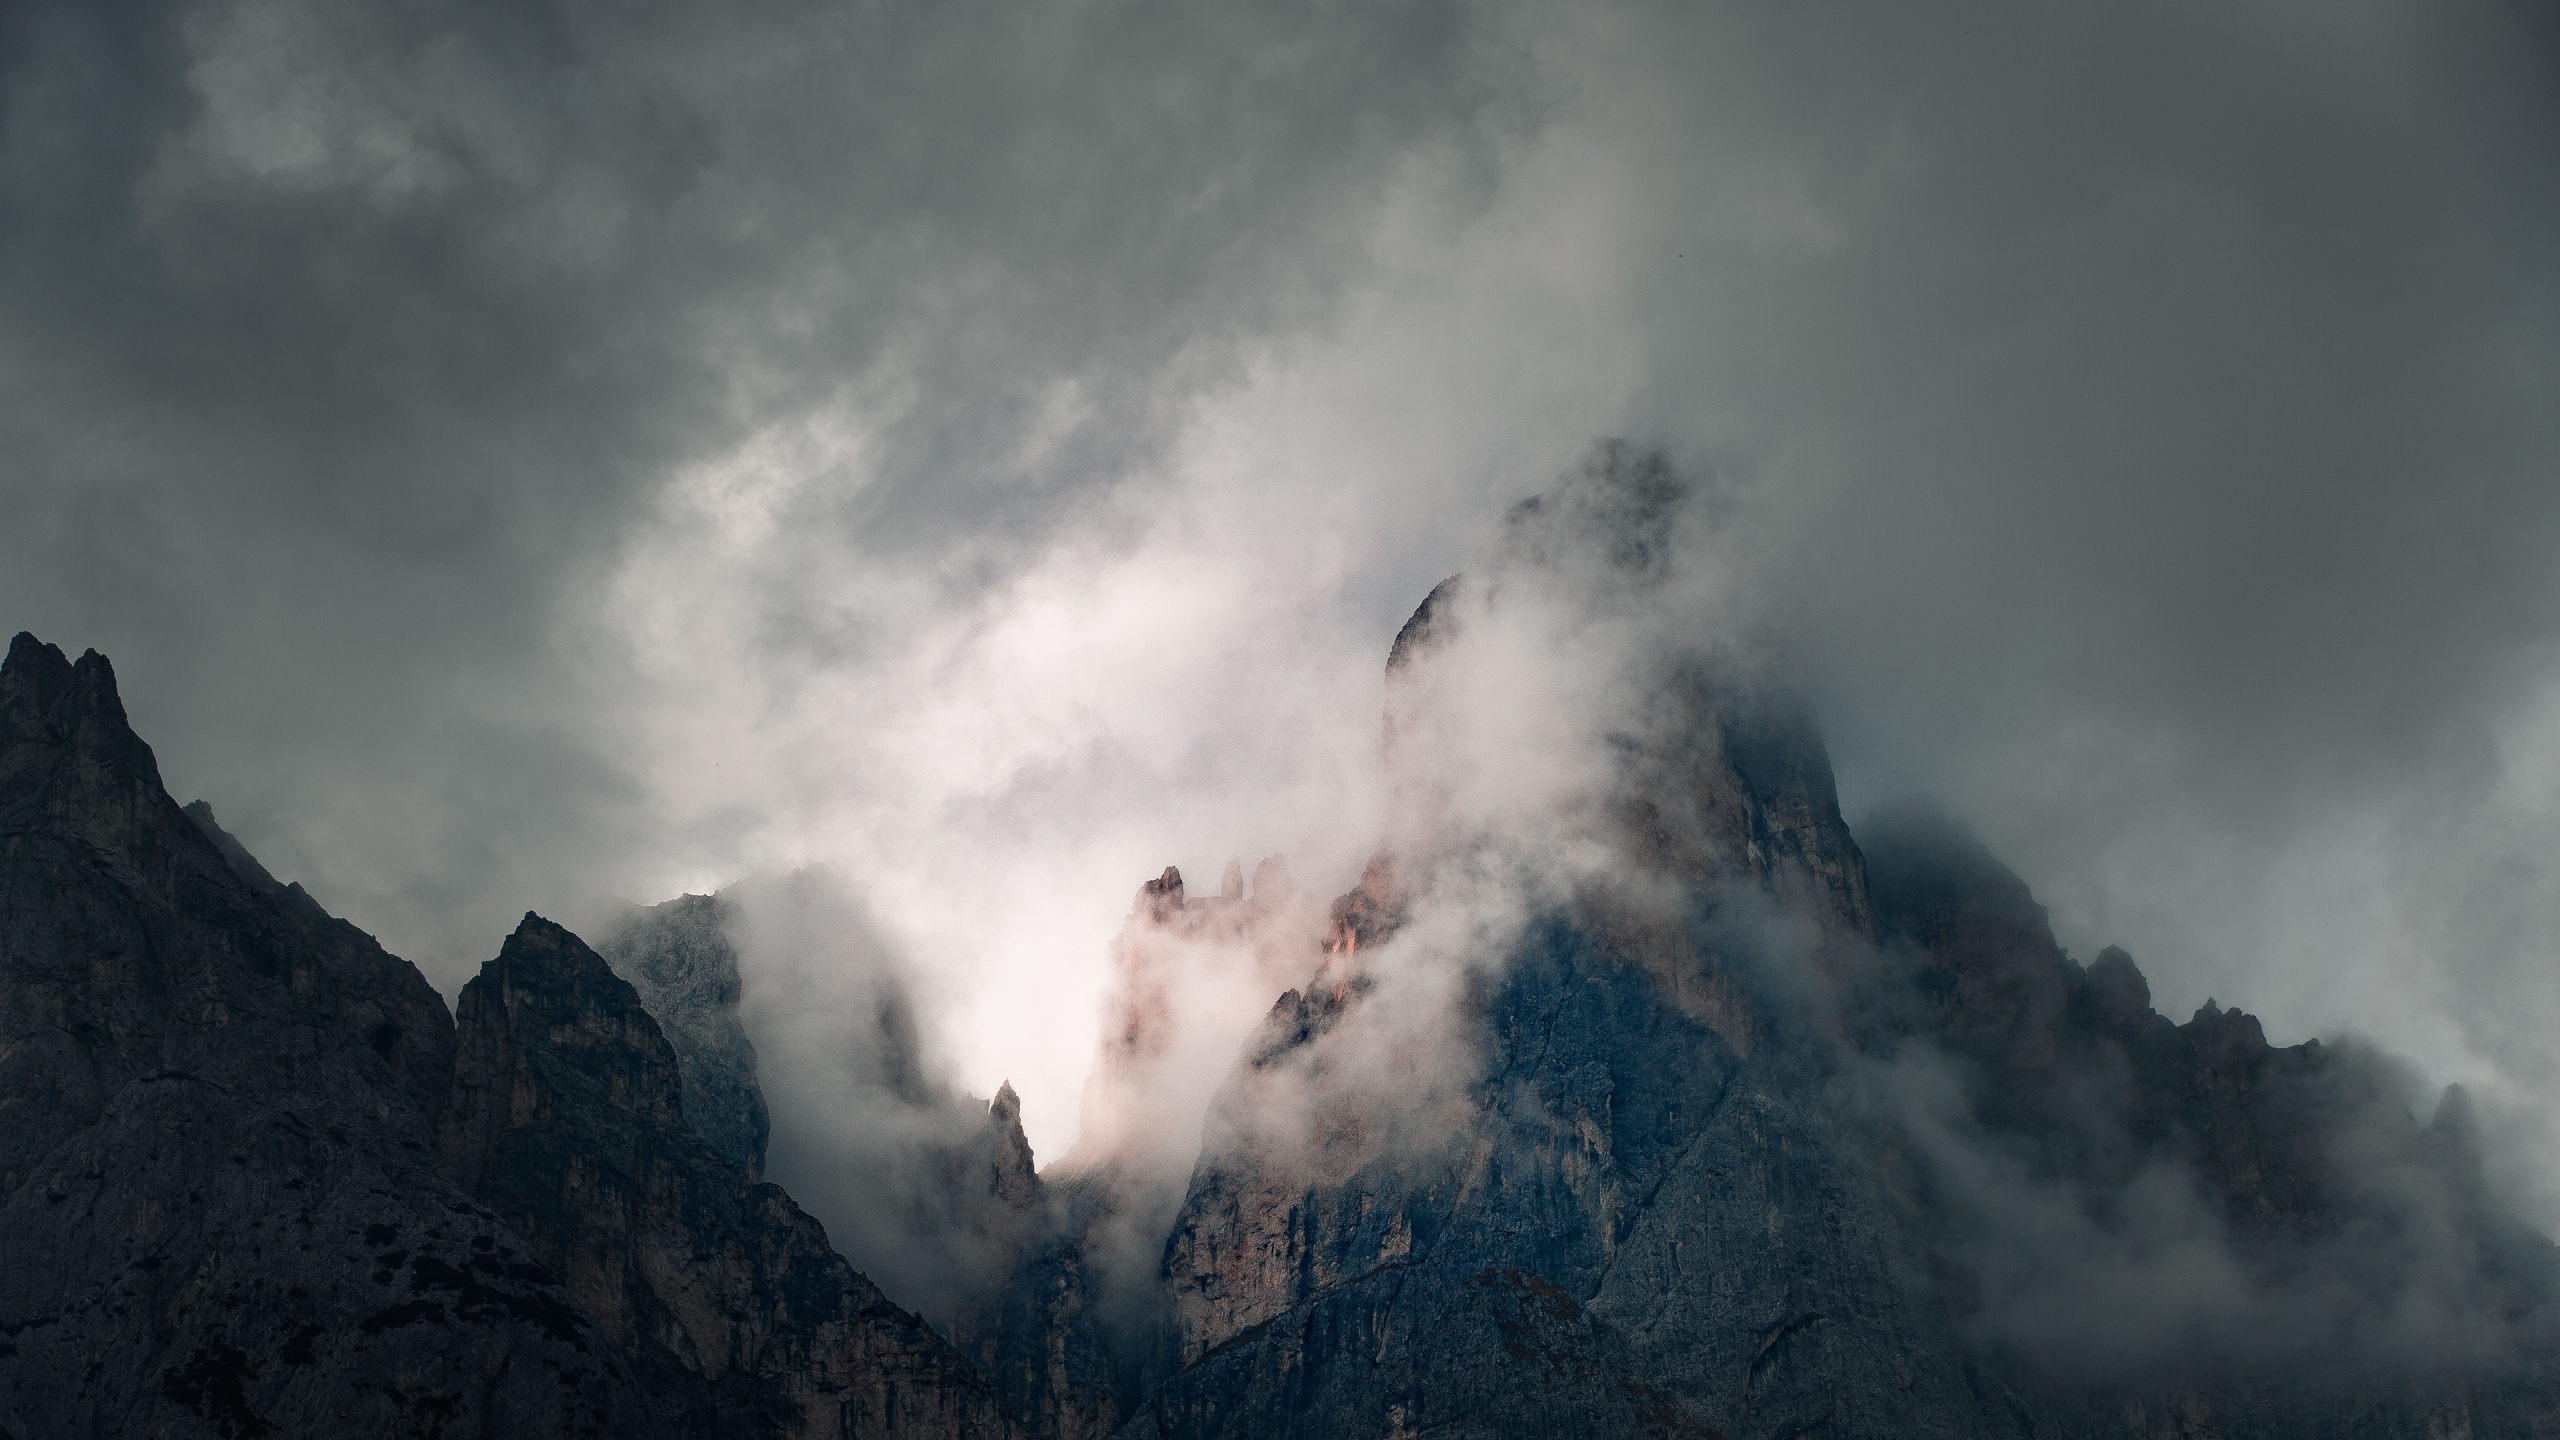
(1083, 1327)
(928, 1190)
(1631, 1214)
(219, 1207)
(1624, 1223)
(679, 958)
(1752, 1129)
(2328, 1259)
(380, 997)
(568, 1122)
(987, 1197)
(1070, 1345)
(1763, 1132)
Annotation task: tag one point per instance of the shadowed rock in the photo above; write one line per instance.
(219, 1209)
(1755, 1130)
(219, 1142)
(678, 956)
(382, 998)
(1764, 1132)
(2294, 1246)
(568, 1122)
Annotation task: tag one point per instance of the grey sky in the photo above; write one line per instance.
(516, 453)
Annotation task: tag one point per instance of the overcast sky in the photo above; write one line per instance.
(523, 453)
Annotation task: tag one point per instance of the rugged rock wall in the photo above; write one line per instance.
(1755, 1131)
(567, 1121)
(377, 996)
(1627, 1223)
(679, 958)
(1620, 1220)
(221, 1205)
(2147, 1224)
(1751, 1129)
(1083, 1326)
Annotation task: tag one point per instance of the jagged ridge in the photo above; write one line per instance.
(227, 1209)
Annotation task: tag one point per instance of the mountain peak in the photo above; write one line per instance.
(69, 759)
(30, 660)
(36, 674)
(605, 1053)
(46, 699)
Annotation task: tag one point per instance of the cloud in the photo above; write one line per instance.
(516, 454)
(2128, 1264)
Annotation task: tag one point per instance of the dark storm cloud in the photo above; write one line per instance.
(2145, 422)
(2141, 424)
(343, 343)
(2193, 364)
(514, 451)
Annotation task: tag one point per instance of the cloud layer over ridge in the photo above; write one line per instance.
(520, 453)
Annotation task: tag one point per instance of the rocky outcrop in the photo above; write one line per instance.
(1704, 770)
(977, 1191)
(1760, 1131)
(1177, 964)
(1082, 1329)
(223, 1207)
(1073, 1339)
(2140, 1221)
(679, 958)
(219, 1207)
(1658, 1104)
(1582, 1207)
(567, 1121)
(378, 996)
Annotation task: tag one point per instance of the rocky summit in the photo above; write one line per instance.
(1701, 1115)
(258, 1183)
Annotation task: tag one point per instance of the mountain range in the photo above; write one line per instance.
(1627, 1092)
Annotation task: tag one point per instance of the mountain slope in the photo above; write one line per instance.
(1630, 1214)
(1628, 1092)
(567, 1120)
(678, 957)
(1667, 1106)
(223, 1210)
(219, 1207)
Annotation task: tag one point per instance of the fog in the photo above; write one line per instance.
(517, 456)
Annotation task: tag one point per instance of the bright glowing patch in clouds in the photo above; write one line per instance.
(509, 464)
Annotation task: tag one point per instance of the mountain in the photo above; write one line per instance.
(1083, 1328)
(1628, 1091)
(567, 1122)
(678, 958)
(254, 1181)
(1746, 1126)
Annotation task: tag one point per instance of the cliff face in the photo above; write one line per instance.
(221, 1207)
(679, 958)
(1756, 1130)
(568, 1122)
(1083, 1327)
(377, 996)
(1620, 1211)
(2145, 1223)
(1626, 1093)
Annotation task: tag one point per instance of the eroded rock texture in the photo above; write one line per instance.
(2145, 1224)
(1757, 1131)
(679, 958)
(1082, 1327)
(221, 1206)
(1615, 1193)
(1688, 1114)
(567, 1121)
